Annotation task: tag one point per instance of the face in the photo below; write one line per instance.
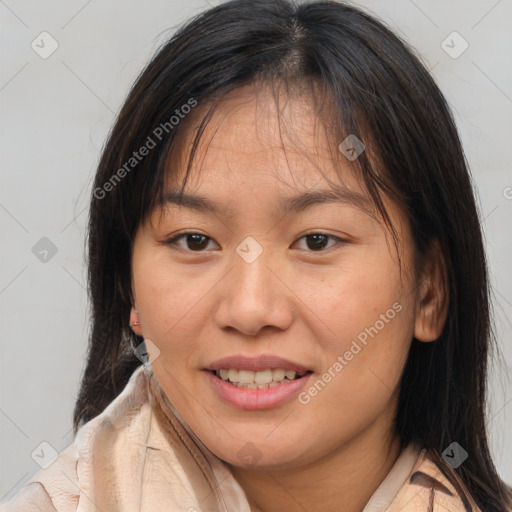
(282, 333)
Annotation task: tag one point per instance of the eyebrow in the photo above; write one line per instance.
(294, 204)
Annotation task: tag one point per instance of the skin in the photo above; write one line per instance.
(302, 304)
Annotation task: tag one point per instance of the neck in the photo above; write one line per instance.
(345, 479)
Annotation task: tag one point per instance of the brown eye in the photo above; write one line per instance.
(317, 242)
(197, 242)
(194, 242)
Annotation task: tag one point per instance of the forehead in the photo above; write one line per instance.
(259, 138)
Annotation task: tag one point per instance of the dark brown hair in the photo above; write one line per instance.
(376, 82)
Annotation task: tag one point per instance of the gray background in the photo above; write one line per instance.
(55, 115)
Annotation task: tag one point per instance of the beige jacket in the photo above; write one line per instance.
(140, 456)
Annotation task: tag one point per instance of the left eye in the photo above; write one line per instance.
(196, 242)
(318, 241)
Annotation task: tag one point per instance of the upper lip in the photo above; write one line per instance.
(258, 363)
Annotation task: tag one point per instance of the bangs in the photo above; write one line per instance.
(342, 127)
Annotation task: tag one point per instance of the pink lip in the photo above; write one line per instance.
(256, 399)
(261, 362)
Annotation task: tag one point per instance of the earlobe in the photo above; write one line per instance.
(135, 322)
(433, 297)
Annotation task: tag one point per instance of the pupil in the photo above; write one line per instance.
(196, 239)
(317, 241)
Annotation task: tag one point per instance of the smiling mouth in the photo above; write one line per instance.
(264, 379)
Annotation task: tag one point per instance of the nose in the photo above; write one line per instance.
(254, 295)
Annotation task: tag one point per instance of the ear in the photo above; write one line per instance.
(433, 296)
(135, 322)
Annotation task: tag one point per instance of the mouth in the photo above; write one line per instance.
(257, 383)
(262, 379)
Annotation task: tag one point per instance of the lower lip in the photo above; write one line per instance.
(256, 399)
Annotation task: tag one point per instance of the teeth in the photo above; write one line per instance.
(279, 374)
(264, 377)
(245, 376)
(256, 380)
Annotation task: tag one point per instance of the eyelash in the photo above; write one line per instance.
(174, 240)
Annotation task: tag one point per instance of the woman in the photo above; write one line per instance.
(283, 230)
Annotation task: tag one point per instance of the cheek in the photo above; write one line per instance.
(169, 306)
(369, 312)
(361, 376)
(354, 296)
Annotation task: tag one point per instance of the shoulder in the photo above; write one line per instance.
(49, 490)
(130, 451)
(31, 498)
(428, 488)
(58, 487)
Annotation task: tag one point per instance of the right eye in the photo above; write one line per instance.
(194, 242)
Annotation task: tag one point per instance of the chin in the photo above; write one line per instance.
(262, 454)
